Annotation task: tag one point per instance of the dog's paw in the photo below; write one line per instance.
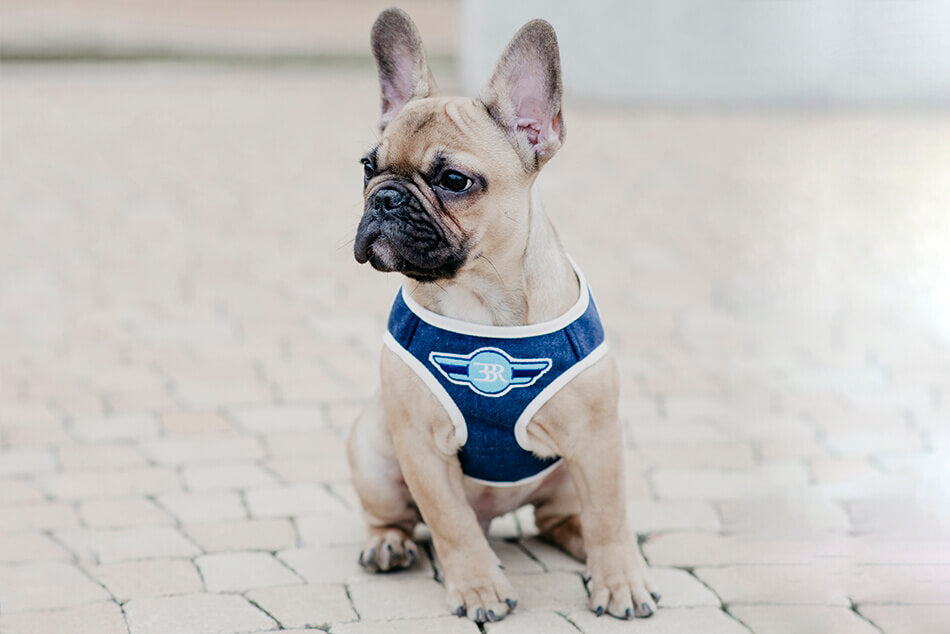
(388, 549)
(483, 595)
(619, 582)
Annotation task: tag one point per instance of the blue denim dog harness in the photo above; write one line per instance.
(492, 380)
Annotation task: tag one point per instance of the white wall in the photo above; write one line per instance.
(729, 51)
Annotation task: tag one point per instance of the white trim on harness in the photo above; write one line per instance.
(504, 332)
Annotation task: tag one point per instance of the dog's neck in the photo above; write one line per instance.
(529, 283)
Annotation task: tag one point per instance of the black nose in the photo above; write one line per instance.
(388, 199)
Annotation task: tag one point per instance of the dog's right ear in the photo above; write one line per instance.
(403, 71)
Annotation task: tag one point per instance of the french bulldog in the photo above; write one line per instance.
(497, 390)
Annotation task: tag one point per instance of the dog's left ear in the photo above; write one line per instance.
(524, 93)
(403, 70)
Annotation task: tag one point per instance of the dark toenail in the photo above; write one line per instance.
(629, 613)
(412, 557)
(460, 611)
(511, 604)
(389, 548)
(491, 615)
(480, 615)
(599, 611)
(648, 611)
(656, 596)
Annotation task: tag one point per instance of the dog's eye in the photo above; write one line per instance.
(454, 181)
(368, 171)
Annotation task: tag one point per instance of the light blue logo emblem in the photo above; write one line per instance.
(489, 371)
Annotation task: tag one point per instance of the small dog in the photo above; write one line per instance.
(497, 391)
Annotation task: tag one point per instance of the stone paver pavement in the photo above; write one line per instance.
(185, 338)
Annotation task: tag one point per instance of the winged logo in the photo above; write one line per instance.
(489, 371)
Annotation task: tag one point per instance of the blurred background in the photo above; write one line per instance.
(758, 190)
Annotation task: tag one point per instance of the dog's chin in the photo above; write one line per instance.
(385, 256)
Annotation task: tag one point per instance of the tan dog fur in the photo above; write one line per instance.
(402, 449)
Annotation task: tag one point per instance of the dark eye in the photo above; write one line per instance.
(455, 182)
(368, 171)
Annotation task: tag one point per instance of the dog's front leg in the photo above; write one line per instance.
(593, 451)
(474, 581)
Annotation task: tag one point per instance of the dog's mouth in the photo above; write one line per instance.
(406, 242)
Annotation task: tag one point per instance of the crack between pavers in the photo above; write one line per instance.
(328, 487)
(692, 573)
(725, 610)
(863, 617)
(430, 552)
(517, 543)
(280, 626)
(572, 623)
(346, 589)
(115, 599)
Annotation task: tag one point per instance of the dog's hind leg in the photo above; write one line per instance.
(388, 508)
(557, 515)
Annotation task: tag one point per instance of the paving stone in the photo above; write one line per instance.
(316, 468)
(439, 625)
(226, 477)
(650, 516)
(551, 557)
(107, 545)
(278, 418)
(269, 535)
(722, 455)
(514, 559)
(188, 422)
(76, 457)
(790, 515)
(896, 583)
(95, 618)
(410, 598)
(192, 508)
(341, 565)
(908, 619)
(315, 444)
(15, 492)
(535, 622)
(896, 517)
(26, 461)
(39, 586)
(332, 527)
(704, 549)
(115, 427)
(111, 483)
(549, 591)
(800, 584)
(672, 621)
(122, 513)
(679, 589)
(202, 448)
(288, 500)
(37, 435)
(316, 605)
(716, 484)
(237, 572)
(748, 389)
(195, 614)
(45, 515)
(148, 578)
(504, 527)
(794, 619)
(26, 547)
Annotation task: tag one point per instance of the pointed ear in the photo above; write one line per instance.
(403, 71)
(524, 93)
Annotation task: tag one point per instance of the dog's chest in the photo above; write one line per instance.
(489, 502)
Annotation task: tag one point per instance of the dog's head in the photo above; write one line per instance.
(449, 181)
